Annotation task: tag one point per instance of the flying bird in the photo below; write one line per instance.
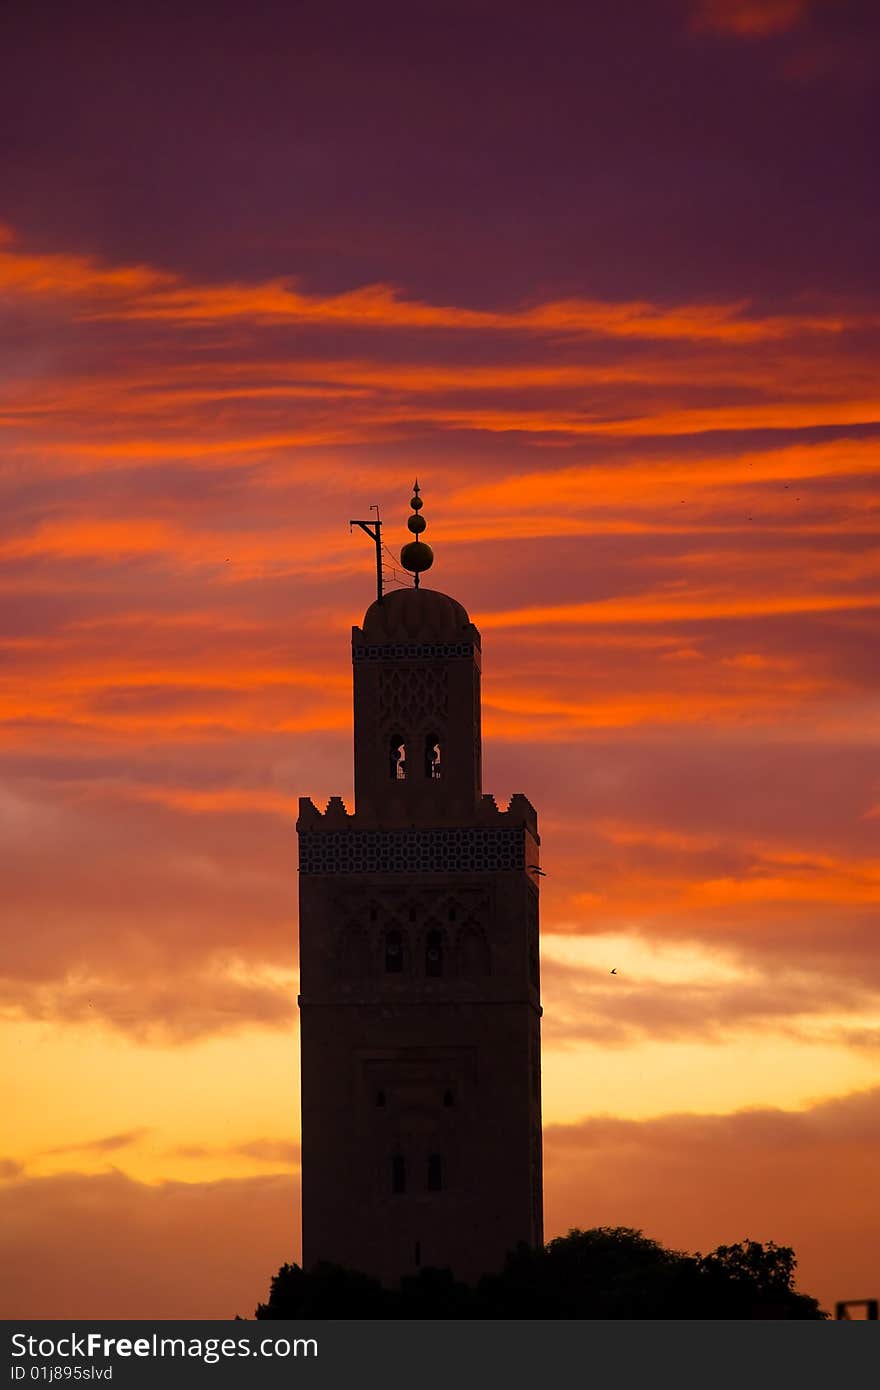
(614, 971)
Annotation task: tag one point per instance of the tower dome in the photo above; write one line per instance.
(416, 615)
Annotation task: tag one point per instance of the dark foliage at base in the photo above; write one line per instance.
(608, 1272)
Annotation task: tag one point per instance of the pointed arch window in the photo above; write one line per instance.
(397, 759)
(433, 757)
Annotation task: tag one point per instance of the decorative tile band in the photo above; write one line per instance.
(413, 651)
(475, 850)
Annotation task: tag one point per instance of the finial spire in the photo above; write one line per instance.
(416, 556)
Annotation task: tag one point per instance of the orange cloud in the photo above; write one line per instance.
(638, 483)
(796, 878)
(153, 1010)
(541, 714)
(749, 18)
(654, 608)
(143, 293)
(765, 873)
(54, 274)
(217, 800)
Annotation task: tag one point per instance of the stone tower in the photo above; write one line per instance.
(419, 1004)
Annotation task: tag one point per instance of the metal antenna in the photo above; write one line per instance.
(374, 531)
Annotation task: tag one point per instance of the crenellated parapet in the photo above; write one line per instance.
(519, 813)
(312, 818)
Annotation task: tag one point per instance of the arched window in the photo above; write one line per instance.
(397, 759)
(398, 1175)
(448, 1099)
(434, 954)
(435, 1173)
(380, 1098)
(393, 952)
(433, 757)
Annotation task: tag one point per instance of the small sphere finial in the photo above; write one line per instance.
(416, 556)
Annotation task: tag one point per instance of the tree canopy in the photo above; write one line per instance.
(606, 1272)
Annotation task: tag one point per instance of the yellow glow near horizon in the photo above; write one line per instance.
(74, 1085)
(229, 1107)
(639, 958)
(750, 1064)
(746, 1071)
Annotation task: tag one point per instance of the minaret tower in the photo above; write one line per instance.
(419, 1004)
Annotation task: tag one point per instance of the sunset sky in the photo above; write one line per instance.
(604, 276)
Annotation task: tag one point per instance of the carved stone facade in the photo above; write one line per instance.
(419, 962)
(412, 696)
(475, 850)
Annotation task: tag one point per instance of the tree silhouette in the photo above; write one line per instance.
(326, 1291)
(759, 1277)
(606, 1272)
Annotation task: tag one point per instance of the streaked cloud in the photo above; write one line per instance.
(143, 292)
(106, 1144)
